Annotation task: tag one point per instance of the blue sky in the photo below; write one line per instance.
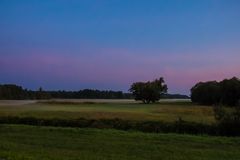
(109, 44)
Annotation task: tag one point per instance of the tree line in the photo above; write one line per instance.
(15, 92)
(144, 91)
(225, 92)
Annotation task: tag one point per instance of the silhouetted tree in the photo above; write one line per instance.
(11, 91)
(230, 90)
(148, 91)
(40, 94)
(207, 93)
(226, 92)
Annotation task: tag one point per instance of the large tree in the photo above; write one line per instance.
(148, 91)
(226, 92)
(206, 93)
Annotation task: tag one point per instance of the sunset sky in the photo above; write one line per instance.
(109, 44)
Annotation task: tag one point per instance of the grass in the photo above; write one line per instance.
(20, 142)
(164, 111)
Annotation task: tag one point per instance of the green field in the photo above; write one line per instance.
(163, 111)
(19, 142)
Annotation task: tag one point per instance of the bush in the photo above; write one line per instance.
(228, 121)
(179, 126)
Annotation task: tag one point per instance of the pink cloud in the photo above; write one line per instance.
(122, 67)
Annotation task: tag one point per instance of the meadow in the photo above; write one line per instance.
(165, 110)
(29, 142)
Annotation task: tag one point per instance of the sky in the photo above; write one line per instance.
(109, 44)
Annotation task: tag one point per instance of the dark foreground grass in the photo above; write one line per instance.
(20, 142)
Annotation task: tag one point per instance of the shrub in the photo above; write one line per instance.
(228, 121)
(228, 125)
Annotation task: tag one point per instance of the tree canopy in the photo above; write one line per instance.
(226, 92)
(150, 91)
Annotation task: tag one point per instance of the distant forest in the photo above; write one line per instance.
(15, 92)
